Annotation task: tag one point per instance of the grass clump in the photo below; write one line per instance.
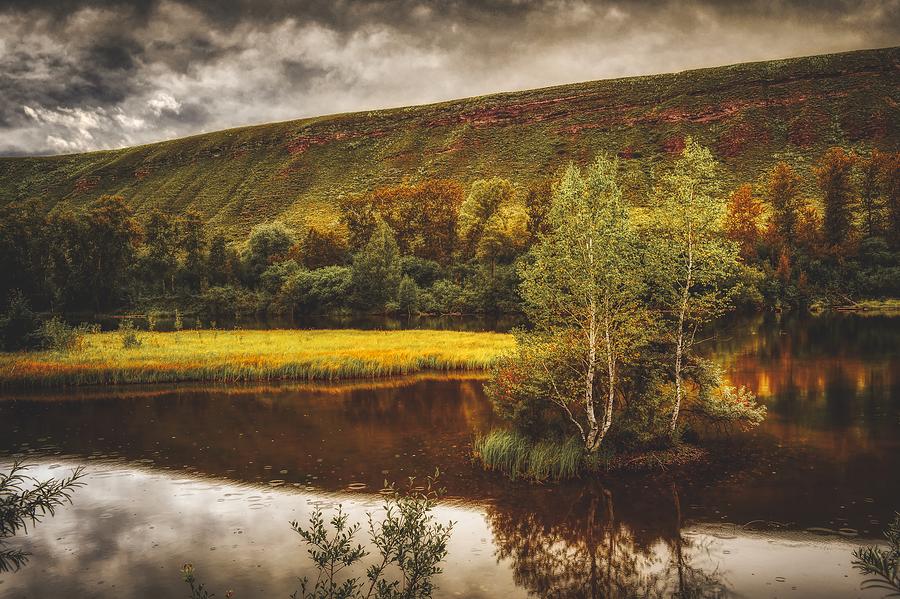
(239, 356)
(519, 457)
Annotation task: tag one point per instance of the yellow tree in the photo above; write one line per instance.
(694, 258)
(582, 293)
(742, 223)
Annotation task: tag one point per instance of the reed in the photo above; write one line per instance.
(518, 457)
(236, 356)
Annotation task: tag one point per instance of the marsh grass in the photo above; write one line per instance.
(518, 457)
(234, 356)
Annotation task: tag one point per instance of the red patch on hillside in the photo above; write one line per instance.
(627, 152)
(141, 173)
(674, 145)
(806, 129)
(741, 137)
(85, 184)
(864, 127)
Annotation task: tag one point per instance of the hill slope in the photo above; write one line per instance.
(750, 114)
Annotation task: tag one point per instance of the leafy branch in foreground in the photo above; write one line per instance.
(409, 543)
(408, 540)
(883, 565)
(26, 500)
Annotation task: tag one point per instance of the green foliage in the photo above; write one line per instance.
(268, 243)
(158, 259)
(493, 221)
(221, 262)
(56, 335)
(516, 456)
(377, 269)
(409, 548)
(883, 565)
(18, 325)
(316, 291)
(152, 320)
(444, 297)
(583, 290)
(408, 296)
(423, 272)
(783, 196)
(227, 302)
(274, 277)
(129, 335)
(25, 500)
(694, 264)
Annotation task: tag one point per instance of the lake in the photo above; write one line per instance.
(213, 475)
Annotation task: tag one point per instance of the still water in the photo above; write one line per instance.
(214, 475)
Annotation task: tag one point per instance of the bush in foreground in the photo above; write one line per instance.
(882, 565)
(409, 548)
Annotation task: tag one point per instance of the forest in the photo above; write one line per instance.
(438, 247)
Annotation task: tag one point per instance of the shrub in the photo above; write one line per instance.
(18, 325)
(410, 548)
(883, 565)
(226, 303)
(152, 320)
(275, 276)
(57, 335)
(130, 338)
(179, 322)
(443, 298)
(316, 291)
(423, 272)
(268, 243)
(24, 502)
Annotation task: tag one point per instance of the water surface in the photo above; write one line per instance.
(213, 475)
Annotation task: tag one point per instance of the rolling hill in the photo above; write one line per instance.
(751, 114)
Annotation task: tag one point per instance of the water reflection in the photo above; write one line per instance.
(178, 471)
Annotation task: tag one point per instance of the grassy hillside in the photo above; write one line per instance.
(750, 114)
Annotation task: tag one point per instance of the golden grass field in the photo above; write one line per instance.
(231, 356)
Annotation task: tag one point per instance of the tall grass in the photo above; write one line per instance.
(518, 457)
(232, 356)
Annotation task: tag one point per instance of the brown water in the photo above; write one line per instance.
(214, 475)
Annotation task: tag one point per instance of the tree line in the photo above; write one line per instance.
(439, 247)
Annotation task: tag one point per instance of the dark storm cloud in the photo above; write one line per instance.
(80, 75)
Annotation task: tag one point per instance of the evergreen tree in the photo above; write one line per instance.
(834, 172)
(783, 195)
(377, 269)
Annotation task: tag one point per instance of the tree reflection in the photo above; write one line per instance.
(584, 547)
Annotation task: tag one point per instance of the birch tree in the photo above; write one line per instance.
(694, 258)
(582, 294)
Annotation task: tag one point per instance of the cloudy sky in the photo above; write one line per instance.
(80, 75)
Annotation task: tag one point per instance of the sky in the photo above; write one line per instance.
(80, 75)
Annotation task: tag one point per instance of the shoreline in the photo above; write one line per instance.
(216, 356)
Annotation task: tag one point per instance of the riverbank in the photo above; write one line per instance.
(876, 306)
(253, 355)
